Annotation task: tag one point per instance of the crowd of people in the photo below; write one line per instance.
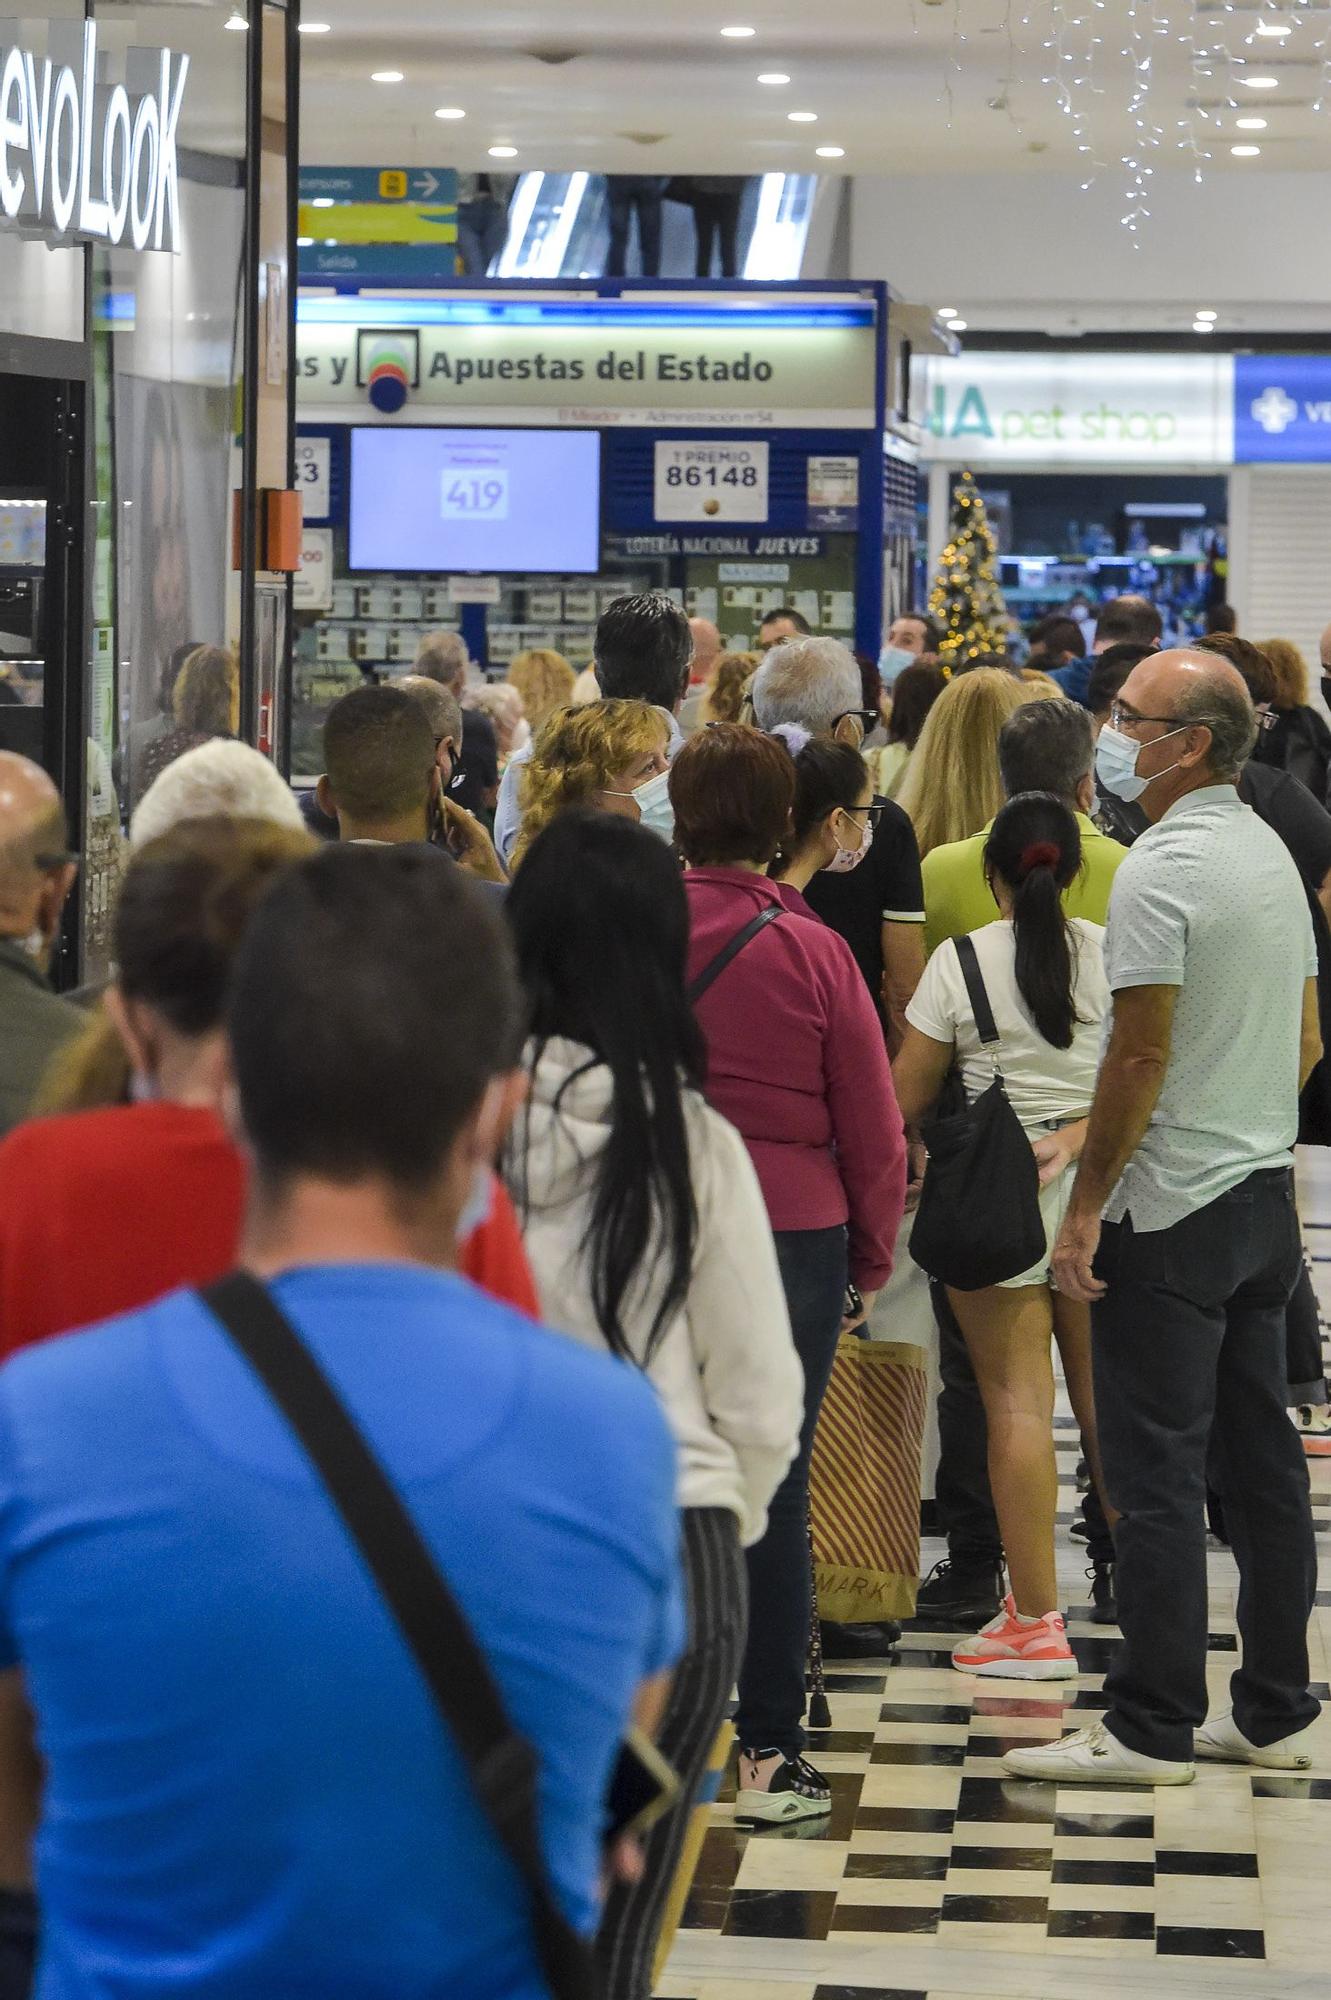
(546, 1100)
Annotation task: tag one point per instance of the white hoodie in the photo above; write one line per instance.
(725, 1366)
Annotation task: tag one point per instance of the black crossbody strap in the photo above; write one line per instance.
(716, 966)
(502, 1765)
(983, 1013)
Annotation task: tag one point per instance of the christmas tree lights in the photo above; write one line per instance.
(966, 599)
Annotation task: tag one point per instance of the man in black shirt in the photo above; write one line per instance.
(878, 908)
(443, 657)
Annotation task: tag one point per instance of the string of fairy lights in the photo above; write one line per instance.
(1114, 76)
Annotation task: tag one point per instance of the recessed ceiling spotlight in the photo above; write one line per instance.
(830, 152)
(237, 24)
(946, 312)
(1275, 30)
(322, 201)
(775, 77)
(1203, 326)
(957, 326)
(802, 117)
(738, 34)
(385, 76)
(503, 152)
(1206, 314)
(1250, 124)
(450, 111)
(1245, 152)
(1259, 82)
(304, 242)
(316, 27)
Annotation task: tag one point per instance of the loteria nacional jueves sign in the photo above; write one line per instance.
(83, 158)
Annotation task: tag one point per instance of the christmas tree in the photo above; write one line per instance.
(965, 599)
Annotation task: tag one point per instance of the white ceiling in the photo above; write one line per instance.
(903, 85)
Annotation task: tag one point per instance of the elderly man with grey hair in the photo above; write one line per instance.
(218, 777)
(812, 687)
(474, 784)
(36, 875)
(466, 838)
(1182, 1236)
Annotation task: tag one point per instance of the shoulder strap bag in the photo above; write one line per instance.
(716, 966)
(501, 1764)
(979, 1220)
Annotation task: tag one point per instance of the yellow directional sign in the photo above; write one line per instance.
(388, 221)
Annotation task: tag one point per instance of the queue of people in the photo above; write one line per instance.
(559, 1166)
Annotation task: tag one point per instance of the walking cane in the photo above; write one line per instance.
(820, 1714)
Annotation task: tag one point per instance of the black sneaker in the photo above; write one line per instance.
(774, 1788)
(1104, 1603)
(859, 1642)
(957, 1596)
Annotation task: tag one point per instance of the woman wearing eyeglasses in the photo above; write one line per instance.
(832, 821)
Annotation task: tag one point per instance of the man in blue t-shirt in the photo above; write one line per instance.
(246, 1789)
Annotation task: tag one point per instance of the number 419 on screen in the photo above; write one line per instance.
(473, 496)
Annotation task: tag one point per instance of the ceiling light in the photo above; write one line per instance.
(738, 34)
(322, 201)
(1207, 314)
(237, 24)
(774, 77)
(1250, 124)
(385, 76)
(1245, 152)
(957, 326)
(802, 117)
(830, 152)
(503, 152)
(1277, 30)
(304, 242)
(946, 312)
(1203, 326)
(316, 27)
(450, 111)
(1259, 82)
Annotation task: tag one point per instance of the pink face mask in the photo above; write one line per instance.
(847, 858)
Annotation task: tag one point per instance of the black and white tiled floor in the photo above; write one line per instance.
(936, 1878)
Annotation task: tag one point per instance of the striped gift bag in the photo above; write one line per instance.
(864, 1484)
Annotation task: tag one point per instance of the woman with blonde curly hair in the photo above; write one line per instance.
(544, 680)
(205, 703)
(609, 756)
(1299, 742)
(953, 788)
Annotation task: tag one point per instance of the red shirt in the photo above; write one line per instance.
(104, 1211)
(796, 1061)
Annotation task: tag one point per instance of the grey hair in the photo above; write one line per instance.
(1046, 746)
(442, 657)
(1223, 704)
(443, 711)
(221, 777)
(807, 681)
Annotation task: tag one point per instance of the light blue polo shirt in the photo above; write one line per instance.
(249, 1792)
(1209, 900)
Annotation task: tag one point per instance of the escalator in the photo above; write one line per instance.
(559, 227)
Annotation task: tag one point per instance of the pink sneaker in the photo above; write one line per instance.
(1012, 1648)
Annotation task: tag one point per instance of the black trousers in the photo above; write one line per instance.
(627, 193)
(699, 1694)
(961, 1485)
(1189, 1345)
(771, 1680)
(716, 219)
(1303, 1343)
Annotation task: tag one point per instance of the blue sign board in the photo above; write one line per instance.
(388, 184)
(379, 263)
(1282, 408)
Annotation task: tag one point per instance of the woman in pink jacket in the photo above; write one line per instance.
(796, 1061)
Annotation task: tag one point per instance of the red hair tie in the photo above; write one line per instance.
(1040, 854)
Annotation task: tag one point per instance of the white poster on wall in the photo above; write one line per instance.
(312, 477)
(1134, 410)
(313, 587)
(702, 480)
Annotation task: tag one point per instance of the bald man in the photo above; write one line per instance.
(702, 667)
(36, 874)
(1188, 1158)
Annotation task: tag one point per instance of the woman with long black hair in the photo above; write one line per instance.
(647, 1235)
(1045, 980)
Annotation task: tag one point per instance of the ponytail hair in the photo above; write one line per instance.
(827, 775)
(1034, 849)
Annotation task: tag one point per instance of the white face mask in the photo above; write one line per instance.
(847, 858)
(652, 798)
(476, 1208)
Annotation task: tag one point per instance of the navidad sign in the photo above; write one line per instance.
(81, 158)
(713, 376)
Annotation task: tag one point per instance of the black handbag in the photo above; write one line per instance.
(501, 1764)
(979, 1220)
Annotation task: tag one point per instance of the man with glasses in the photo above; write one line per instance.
(812, 687)
(36, 875)
(1188, 1159)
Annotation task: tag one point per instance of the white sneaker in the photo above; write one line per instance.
(1094, 1757)
(1221, 1741)
(1312, 1421)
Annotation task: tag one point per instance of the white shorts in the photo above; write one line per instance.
(1054, 1201)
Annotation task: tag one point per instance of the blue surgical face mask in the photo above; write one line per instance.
(1116, 763)
(654, 807)
(893, 660)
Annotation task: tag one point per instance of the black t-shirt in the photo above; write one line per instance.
(887, 885)
(1290, 810)
(476, 772)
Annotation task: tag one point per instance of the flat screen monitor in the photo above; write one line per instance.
(475, 500)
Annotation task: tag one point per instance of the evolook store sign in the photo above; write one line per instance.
(81, 158)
